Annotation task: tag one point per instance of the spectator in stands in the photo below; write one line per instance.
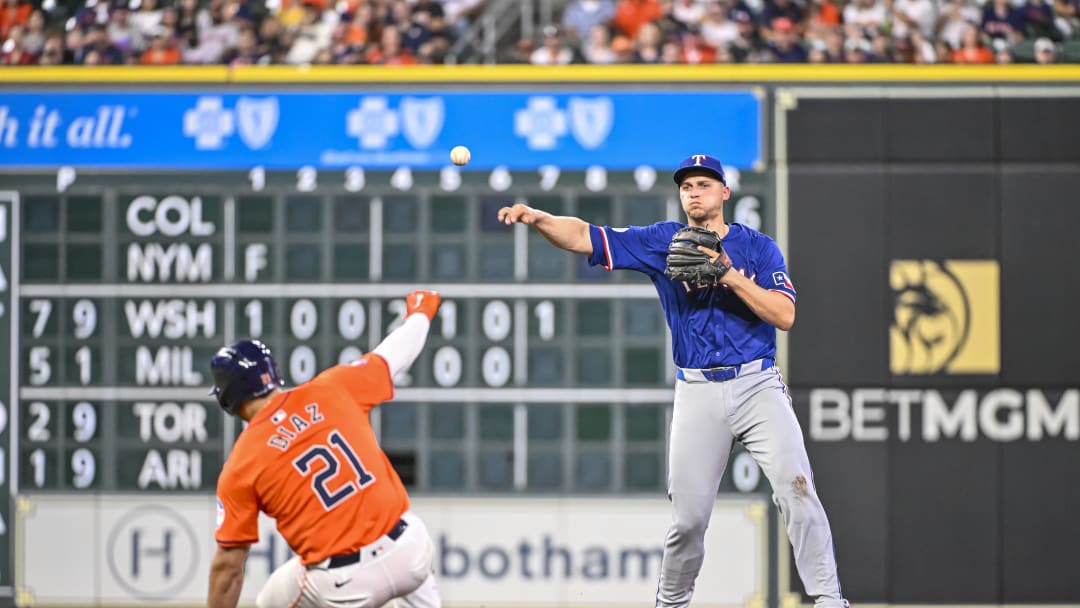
(630, 15)
(869, 15)
(623, 48)
(717, 29)
(73, 43)
(98, 49)
(390, 51)
(34, 34)
(147, 18)
(435, 49)
(1067, 17)
(357, 25)
(775, 9)
(216, 34)
(1001, 20)
(648, 43)
(856, 50)
(53, 52)
(922, 50)
(834, 44)
(597, 47)
(908, 15)
(695, 49)
(187, 24)
(1038, 19)
(671, 52)
(162, 49)
(553, 50)
(12, 13)
(13, 51)
(750, 45)
(670, 27)
(882, 49)
(314, 34)
(825, 13)
(431, 7)
(246, 51)
(972, 49)
(461, 13)
(580, 16)
(689, 12)
(415, 27)
(956, 15)
(269, 40)
(1045, 51)
(340, 51)
(784, 46)
(123, 33)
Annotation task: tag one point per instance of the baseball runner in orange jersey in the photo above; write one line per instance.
(309, 459)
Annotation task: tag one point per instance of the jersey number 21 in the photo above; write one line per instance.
(329, 455)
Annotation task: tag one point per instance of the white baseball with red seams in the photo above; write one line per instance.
(460, 155)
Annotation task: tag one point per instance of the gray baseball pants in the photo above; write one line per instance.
(754, 409)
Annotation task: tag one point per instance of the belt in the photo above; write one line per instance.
(351, 558)
(722, 374)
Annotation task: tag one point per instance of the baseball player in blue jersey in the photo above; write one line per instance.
(723, 328)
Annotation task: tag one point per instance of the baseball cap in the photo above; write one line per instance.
(782, 24)
(1044, 44)
(700, 162)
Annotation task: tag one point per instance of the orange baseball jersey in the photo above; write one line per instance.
(310, 460)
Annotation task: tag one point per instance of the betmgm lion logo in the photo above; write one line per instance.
(946, 317)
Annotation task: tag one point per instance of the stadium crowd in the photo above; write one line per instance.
(408, 32)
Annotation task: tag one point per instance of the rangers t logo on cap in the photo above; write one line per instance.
(700, 162)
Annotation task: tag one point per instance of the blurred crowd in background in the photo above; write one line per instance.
(408, 32)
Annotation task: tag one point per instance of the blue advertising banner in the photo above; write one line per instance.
(112, 129)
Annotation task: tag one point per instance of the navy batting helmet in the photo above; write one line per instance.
(241, 372)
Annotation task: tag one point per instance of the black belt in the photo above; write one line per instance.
(351, 558)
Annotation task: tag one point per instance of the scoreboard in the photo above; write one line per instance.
(540, 373)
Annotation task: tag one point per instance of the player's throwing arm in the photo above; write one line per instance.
(564, 232)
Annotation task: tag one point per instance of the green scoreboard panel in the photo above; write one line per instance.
(540, 373)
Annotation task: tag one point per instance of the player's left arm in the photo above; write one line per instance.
(227, 576)
(773, 307)
(370, 379)
(767, 291)
(403, 345)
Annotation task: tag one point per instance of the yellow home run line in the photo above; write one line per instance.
(577, 74)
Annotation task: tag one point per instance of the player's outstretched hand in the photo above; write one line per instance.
(519, 213)
(426, 302)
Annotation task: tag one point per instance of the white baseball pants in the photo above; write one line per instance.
(388, 570)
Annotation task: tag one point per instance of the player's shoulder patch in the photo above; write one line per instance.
(781, 279)
(220, 514)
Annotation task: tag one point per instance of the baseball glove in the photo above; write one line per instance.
(685, 262)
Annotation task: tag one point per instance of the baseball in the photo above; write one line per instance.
(460, 155)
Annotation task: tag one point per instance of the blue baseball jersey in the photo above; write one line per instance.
(710, 325)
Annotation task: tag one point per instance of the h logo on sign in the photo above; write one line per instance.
(137, 551)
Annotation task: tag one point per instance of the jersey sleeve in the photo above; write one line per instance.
(367, 380)
(641, 248)
(237, 511)
(772, 271)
